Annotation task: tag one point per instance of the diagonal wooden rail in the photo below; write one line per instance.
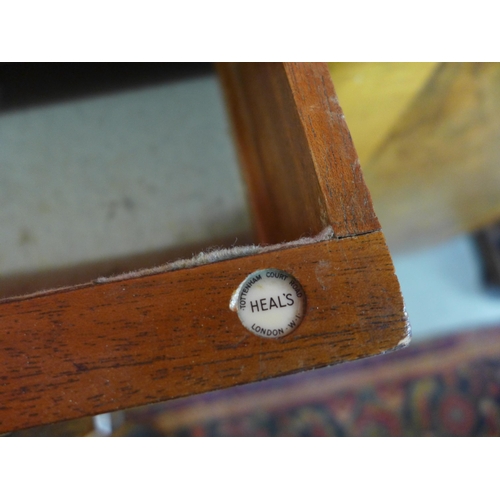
(151, 336)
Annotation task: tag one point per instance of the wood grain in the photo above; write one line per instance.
(374, 96)
(435, 172)
(438, 171)
(99, 348)
(298, 159)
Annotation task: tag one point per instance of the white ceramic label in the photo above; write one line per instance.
(270, 303)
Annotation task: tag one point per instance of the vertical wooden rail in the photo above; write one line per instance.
(300, 165)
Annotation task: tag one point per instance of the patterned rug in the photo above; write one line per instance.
(445, 387)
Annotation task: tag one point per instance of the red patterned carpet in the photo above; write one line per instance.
(445, 387)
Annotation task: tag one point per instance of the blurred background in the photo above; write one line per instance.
(110, 168)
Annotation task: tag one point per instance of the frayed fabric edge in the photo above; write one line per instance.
(200, 259)
(218, 255)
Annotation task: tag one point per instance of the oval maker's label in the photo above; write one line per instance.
(270, 303)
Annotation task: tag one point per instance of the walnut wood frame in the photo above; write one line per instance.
(101, 347)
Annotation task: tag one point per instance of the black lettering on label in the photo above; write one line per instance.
(274, 274)
(268, 332)
(296, 288)
(246, 289)
(265, 304)
(291, 324)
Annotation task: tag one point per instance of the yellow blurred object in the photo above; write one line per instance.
(428, 138)
(373, 97)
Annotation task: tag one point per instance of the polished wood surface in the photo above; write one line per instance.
(297, 155)
(103, 347)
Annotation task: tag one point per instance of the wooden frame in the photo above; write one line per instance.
(168, 333)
